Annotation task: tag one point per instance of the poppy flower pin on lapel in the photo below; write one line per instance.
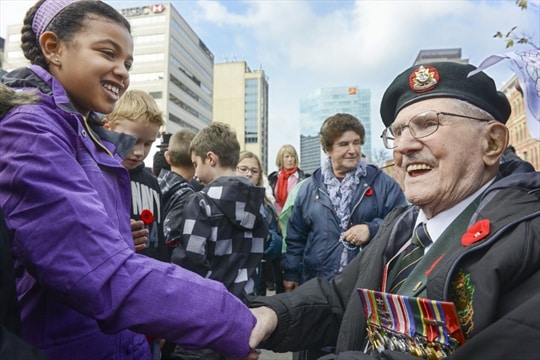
(369, 191)
(147, 217)
(476, 232)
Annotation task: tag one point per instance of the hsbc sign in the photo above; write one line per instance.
(143, 10)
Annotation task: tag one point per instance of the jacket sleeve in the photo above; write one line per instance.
(297, 233)
(274, 242)
(174, 214)
(311, 316)
(192, 252)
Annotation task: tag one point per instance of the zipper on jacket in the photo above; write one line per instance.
(92, 136)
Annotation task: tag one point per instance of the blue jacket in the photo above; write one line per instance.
(84, 292)
(313, 230)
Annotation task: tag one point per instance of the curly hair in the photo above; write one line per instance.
(334, 126)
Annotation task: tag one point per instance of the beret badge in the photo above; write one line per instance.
(423, 79)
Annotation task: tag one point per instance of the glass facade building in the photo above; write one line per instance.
(323, 103)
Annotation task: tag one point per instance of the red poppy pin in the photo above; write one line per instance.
(147, 217)
(476, 232)
(369, 192)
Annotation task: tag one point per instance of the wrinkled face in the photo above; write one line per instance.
(440, 170)
(249, 167)
(145, 134)
(345, 153)
(93, 68)
(203, 169)
(288, 161)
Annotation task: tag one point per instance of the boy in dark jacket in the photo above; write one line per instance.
(223, 227)
(176, 184)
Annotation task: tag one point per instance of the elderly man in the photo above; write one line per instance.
(481, 220)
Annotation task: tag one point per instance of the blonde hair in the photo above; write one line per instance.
(286, 149)
(136, 105)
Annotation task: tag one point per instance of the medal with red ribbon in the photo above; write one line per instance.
(423, 327)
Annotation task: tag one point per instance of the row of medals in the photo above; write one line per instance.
(384, 339)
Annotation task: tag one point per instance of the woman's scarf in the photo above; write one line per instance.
(341, 192)
(282, 186)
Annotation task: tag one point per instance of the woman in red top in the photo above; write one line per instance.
(288, 175)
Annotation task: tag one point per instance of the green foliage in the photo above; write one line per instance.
(510, 37)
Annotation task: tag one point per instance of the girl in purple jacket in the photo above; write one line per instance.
(84, 292)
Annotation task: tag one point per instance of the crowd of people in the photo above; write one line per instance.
(104, 258)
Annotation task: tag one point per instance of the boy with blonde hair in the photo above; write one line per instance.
(137, 114)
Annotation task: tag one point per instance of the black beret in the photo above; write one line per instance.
(443, 79)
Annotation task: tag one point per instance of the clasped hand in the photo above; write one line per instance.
(267, 321)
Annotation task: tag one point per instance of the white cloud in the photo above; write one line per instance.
(304, 45)
(366, 45)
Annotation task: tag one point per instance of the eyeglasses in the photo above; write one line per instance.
(420, 126)
(244, 170)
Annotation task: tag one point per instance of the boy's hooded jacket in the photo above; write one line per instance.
(84, 292)
(224, 231)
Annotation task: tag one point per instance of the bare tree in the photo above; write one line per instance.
(380, 157)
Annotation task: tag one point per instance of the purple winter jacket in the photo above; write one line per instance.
(84, 292)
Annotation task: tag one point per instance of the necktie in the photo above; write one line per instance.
(411, 256)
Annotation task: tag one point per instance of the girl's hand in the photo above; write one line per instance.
(140, 235)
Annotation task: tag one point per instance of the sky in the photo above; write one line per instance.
(303, 45)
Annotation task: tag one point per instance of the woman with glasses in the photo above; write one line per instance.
(270, 271)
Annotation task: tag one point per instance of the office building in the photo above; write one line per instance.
(171, 63)
(310, 150)
(241, 100)
(425, 56)
(526, 147)
(323, 103)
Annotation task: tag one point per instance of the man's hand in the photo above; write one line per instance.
(140, 235)
(267, 321)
